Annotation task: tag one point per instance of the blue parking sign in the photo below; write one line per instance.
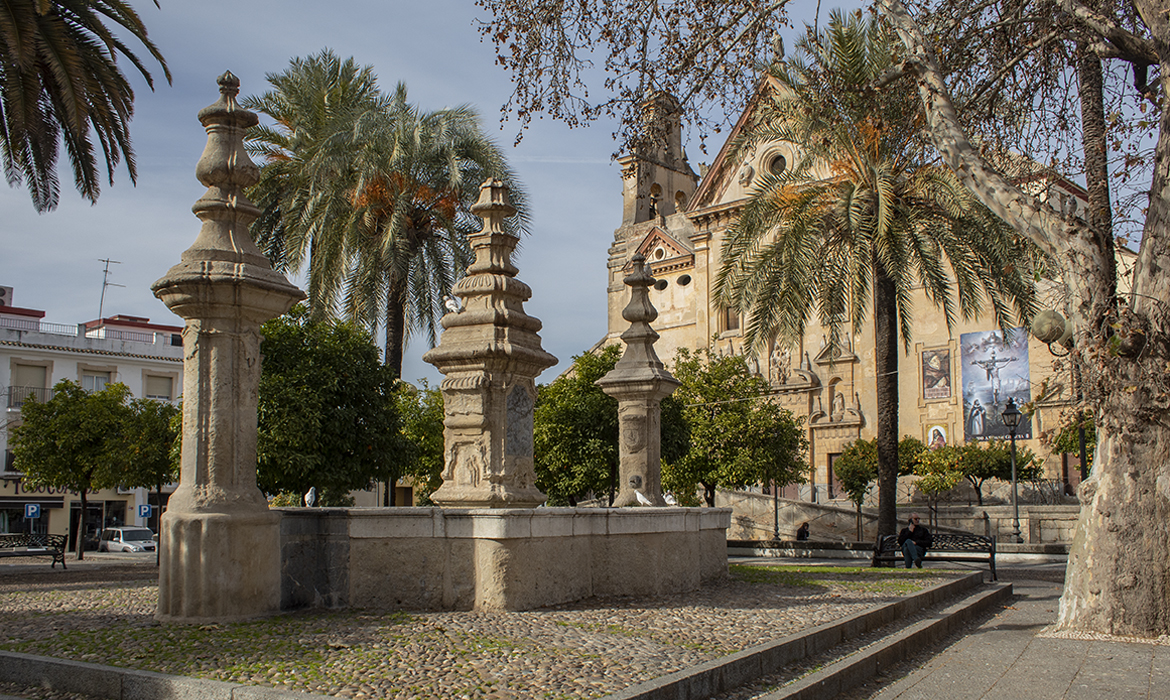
(144, 511)
(32, 511)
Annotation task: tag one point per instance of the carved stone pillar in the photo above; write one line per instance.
(639, 382)
(220, 546)
(490, 354)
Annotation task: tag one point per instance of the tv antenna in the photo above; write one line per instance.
(106, 283)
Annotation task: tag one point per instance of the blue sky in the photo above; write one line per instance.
(52, 260)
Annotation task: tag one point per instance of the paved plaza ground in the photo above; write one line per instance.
(101, 611)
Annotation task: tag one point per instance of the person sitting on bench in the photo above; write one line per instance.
(914, 539)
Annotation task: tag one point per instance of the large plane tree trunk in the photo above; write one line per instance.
(1118, 577)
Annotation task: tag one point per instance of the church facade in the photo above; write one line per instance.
(953, 383)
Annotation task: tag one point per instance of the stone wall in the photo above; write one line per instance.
(752, 519)
(1038, 524)
(494, 559)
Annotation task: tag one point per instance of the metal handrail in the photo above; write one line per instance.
(21, 324)
(112, 334)
(18, 395)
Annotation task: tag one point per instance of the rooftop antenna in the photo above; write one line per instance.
(106, 283)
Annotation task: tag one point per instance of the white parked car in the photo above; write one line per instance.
(127, 539)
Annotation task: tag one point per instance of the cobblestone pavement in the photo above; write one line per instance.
(103, 613)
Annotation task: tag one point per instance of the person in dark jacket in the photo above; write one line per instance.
(914, 539)
(802, 533)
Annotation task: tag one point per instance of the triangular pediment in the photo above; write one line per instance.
(713, 189)
(842, 353)
(664, 252)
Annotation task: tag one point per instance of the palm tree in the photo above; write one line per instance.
(419, 176)
(374, 193)
(58, 79)
(863, 217)
(308, 177)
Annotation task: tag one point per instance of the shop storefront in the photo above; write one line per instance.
(60, 511)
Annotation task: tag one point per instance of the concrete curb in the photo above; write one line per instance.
(723, 674)
(127, 684)
(851, 671)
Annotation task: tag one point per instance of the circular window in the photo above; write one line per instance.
(659, 254)
(777, 164)
(660, 285)
(684, 280)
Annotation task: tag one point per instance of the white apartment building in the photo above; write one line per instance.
(34, 356)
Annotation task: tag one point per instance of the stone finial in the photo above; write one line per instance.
(225, 169)
(639, 382)
(493, 245)
(490, 354)
(639, 337)
(640, 310)
(492, 205)
(225, 163)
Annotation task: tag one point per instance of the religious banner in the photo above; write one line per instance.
(936, 374)
(994, 369)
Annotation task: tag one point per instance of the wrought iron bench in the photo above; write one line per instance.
(26, 545)
(947, 546)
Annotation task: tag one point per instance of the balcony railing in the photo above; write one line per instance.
(17, 395)
(21, 324)
(112, 334)
(101, 333)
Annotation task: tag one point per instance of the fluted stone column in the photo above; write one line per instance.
(639, 382)
(220, 546)
(490, 355)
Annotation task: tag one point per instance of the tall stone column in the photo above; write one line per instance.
(220, 545)
(639, 382)
(490, 355)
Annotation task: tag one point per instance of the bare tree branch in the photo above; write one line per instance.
(1131, 47)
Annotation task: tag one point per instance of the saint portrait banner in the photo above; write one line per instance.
(936, 374)
(994, 369)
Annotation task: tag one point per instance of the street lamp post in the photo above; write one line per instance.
(775, 513)
(1051, 328)
(1011, 418)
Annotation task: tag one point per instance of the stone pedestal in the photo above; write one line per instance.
(490, 353)
(220, 546)
(639, 382)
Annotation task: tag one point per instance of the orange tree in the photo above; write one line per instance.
(735, 435)
(76, 440)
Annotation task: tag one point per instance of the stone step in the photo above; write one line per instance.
(721, 675)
